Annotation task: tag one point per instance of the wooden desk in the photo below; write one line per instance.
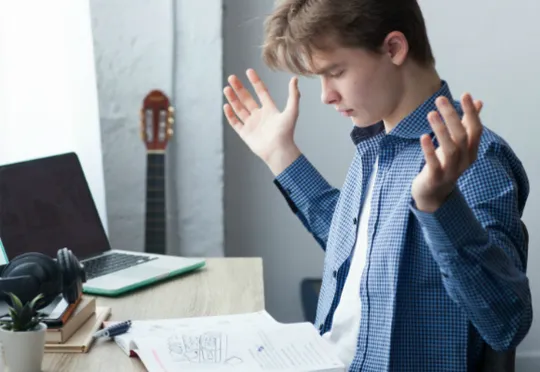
(223, 286)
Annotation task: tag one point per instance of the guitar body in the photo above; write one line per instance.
(156, 130)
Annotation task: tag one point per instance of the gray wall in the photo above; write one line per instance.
(489, 55)
(136, 51)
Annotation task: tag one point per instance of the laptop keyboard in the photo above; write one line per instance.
(111, 263)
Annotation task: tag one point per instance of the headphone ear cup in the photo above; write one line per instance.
(71, 277)
(35, 264)
(38, 267)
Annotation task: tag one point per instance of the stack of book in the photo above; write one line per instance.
(70, 327)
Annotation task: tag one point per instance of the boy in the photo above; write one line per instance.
(425, 254)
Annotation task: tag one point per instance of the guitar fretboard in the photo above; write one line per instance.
(155, 222)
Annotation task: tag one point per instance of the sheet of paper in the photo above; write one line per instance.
(163, 328)
(284, 348)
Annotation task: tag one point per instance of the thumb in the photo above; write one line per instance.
(294, 95)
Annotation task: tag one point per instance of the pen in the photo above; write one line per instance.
(114, 330)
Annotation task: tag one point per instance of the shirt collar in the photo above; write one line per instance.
(411, 127)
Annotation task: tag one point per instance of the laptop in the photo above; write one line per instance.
(46, 204)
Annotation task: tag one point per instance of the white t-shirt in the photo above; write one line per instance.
(346, 323)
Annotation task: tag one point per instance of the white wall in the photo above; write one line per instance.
(488, 49)
(137, 51)
(48, 94)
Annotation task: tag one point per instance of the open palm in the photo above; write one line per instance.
(458, 147)
(264, 128)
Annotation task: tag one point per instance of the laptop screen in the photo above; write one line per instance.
(45, 205)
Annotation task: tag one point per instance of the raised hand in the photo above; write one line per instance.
(458, 148)
(267, 131)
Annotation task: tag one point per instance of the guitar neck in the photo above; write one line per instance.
(155, 223)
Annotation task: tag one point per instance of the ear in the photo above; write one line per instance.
(395, 45)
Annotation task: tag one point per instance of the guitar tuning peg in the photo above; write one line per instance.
(170, 132)
(171, 110)
(170, 120)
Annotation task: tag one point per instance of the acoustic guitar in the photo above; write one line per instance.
(157, 117)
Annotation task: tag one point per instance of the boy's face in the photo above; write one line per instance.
(361, 85)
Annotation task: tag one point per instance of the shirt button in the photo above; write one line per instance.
(354, 221)
(321, 326)
(334, 273)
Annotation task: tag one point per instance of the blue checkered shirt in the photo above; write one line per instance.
(437, 287)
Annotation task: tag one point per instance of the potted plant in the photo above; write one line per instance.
(22, 336)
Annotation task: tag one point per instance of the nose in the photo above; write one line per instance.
(329, 94)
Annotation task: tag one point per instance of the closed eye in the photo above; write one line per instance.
(336, 75)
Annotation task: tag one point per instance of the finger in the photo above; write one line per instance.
(243, 94)
(237, 106)
(231, 117)
(472, 123)
(260, 88)
(471, 110)
(294, 95)
(432, 161)
(446, 142)
(478, 105)
(453, 122)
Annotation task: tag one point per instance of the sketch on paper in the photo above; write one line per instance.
(205, 348)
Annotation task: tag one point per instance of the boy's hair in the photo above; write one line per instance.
(297, 28)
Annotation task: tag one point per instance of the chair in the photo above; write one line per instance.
(492, 361)
(309, 290)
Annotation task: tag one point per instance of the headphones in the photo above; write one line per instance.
(31, 274)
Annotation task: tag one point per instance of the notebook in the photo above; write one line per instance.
(81, 341)
(84, 310)
(241, 343)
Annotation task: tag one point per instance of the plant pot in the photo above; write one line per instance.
(23, 351)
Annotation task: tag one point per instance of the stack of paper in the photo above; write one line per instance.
(243, 342)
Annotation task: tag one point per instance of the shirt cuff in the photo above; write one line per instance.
(301, 183)
(451, 228)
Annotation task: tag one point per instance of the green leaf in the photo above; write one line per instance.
(16, 302)
(13, 313)
(32, 324)
(8, 326)
(26, 313)
(34, 302)
(23, 318)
